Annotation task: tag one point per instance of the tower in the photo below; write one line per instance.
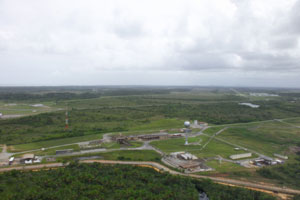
(186, 130)
(67, 120)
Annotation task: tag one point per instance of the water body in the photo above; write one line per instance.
(203, 196)
(250, 105)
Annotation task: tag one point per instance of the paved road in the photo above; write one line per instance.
(292, 125)
(212, 137)
(4, 156)
(164, 168)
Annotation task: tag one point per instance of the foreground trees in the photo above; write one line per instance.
(96, 181)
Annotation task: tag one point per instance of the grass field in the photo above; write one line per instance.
(267, 138)
(224, 167)
(212, 130)
(50, 143)
(52, 151)
(115, 145)
(214, 148)
(135, 155)
(294, 121)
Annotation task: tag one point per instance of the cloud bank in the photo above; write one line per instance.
(170, 42)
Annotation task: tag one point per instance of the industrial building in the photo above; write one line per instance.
(239, 156)
(263, 161)
(197, 124)
(183, 155)
(159, 136)
(281, 156)
(29, 159)
(63, 151)
(186, 161)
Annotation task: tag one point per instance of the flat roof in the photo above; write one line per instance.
(28, 156)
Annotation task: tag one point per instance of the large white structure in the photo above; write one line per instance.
(238, 156)
(183, 155)
(187, 125)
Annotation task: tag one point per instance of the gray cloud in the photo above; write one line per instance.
(52, 39)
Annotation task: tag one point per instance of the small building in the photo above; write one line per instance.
(281, 156)
(1, 115)
(279, 161)
(239, 156)
(176, 135)
(63, 151)
(202, 124)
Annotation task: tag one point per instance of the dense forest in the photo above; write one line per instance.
(96, 181)
(68, 93)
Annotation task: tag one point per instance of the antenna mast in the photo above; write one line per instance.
(67, 119)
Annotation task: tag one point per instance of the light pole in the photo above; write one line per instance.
(186, 130)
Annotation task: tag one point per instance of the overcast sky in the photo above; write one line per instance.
(153, 42)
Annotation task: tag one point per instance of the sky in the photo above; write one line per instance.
(143, 42)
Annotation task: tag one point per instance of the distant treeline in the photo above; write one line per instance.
(96, 181)
(290, 94)
(19, 95)
(53, 96)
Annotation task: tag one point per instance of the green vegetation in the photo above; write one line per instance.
(267, 138)
(296, 197)
(94, 111)
(294, 121)
(134, 155)
(96, 181)
(148, 109)
(224, 167)
(214, 148)
(115, 145)
(52, 151)
(288, 173)
(50, 143)
(173, 145)
(212, 130)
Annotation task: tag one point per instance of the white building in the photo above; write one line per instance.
(238, 156)
(183, 155)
